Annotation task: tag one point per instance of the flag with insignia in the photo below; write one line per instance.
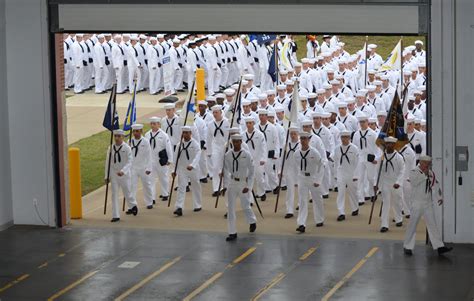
(189, 107)
(131, 116)
(394, 59)
(284, 55)
(235, 106)
(111, 118)
(294, 105)
(394, 125)
(272, 67)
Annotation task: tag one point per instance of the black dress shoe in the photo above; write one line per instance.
(263, 198)
(407, 216)
(129, 212)
(252, 227)
(289, 215)
(311, 200)
(160, 196)
(407, 252)
(326, 196)
(268, 191)
(403, 212)
(443, 250)
(164, 199)
(341, 217)
(176, 188)
(319, 225)
(114, 220)
(225, 215)
(276, 190)
(149, 207)
(223, 191)
(354, 213)
(204, 180)
(361, 203)
(383, 229)
(154, 202)
(399, 224)
(178, 212)
(251, 204)
(197, 209)
(215, 194)
(187, 189)
(335, 189)
(231, 237)
(284, 188)
(135, 210)
(301, 229)
(298, 208)
(367, 198)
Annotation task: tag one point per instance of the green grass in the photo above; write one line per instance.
(355, 43)
(93, 151)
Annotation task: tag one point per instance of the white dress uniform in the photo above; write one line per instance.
(161, 155)
(417, 143)
(270, 133)
(425, 190)
(120, 63)
(346, 160)
(328, 141)
(171, 127)
(133, 63)
(155, 56)
(239, 169)
(201, 126)
(142, 163)
(217, 133)
(143, 75)
(410, 163)
(365, 142)
(88, 70)
(310, 172)
(111, 75)
(349, 121)
(392, 172)
(121, 161)
(68, 63)
(100, 67)
(214, 76)
(379, 105)
(79, 63)
(258, 150)
(290, 174)
(175, 58)
(189, 156)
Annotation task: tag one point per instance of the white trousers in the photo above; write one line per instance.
(79, 79)
(122, 79)
(347, 184)
(305, 188)
(217, 158)
(406, 199)
(270, 174)
(224, 75)
(185, 176)
(178, 79)
(101, 76)
(427, 211)
(391, 198)
(123, 183)
(259, 179)
(160, 174)
(131, 75)
(155, 78)
(290, 178)
(326, 179)
(147, 182)
(234, 192)
(367, 179)
(68, 74)
(143, 78)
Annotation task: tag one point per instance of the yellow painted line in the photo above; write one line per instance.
(216, 276)
(271, 284)
(147, 279)
(308, 253)
(72, 285)
(349, 275)
(43, 265)
(16, 281)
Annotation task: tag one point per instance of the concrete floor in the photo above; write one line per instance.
(83, 264)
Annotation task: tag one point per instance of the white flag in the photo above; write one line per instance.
(394, 60)
(295, 105)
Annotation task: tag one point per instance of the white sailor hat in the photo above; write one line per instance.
(384, 77)
(411, 97)
(345, 133)
(371, 71)
(281, 87)
(312, 61)
(342, 104)
(160, 36)
(312, 95)
(373, 46)
(262, 112)
(371, 88)
(417, 92)
(137, 126)
(80, 35)
(271, 114)
(119, 132)
(341, 61)
(425, 158)
(327, 86)
(320, 57)
(245, 82)
(304, 60)
(418, 42)
(390, 139)
(298, 64)
(176, 41)
(211, 38)
(304, 134)
(202, 102)
(406, 73)
(169, 106)
(360, 94)
(377, 82)
(155, 119)
(334, 82)
(270, 92)
(294, 128)
(331, 108)
(216, 108)
(107, 34)
(326, 36)
(320, 91)
(246, 102)
(421, 65)
(243, 37)
(422, 88)
(317, 114)
(249, 76)
(134, 37)
(417, 121)
(306, 122)
(229, 92)
(262, 96)
(210, 98)
(362, 117)
(143, 37)
(350, 100)
(290, 69)
(235, 87)
(329, 70)
(153, 39)
(382, 113)
(234, 130)
(410, 118)
(100, 36)
(372, 120)
(325, 114)
(249, 119)
(220, 95)
(236, 137)
(186, 128)
(283, 72)
(303, 97)
(253, 98)
(414, 69)
(289, 82)
(423, 121)
(279, 109)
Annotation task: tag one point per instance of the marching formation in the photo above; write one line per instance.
(309, 128)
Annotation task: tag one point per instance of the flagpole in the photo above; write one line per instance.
(173, 175)
(401, 67)
(366, 61)
(276, 65)
(236, 103)
(130, 131)
(112, 94)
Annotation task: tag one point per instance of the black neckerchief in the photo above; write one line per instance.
(218, 128)
(250, 139)
(389, 161)
(117, 156)
(363, 137)
(292, 149)
(235, 161)
(135, 147)
(263, 130)
(304, 162)
(153, 140)
(185, 148)
(344, 155)
(170, 126)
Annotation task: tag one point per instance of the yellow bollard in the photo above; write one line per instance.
(200, 84)
(75, 190)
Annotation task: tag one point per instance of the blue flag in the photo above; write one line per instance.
(272, 67)
(131, 116)
(262, 38)
(111, 118)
